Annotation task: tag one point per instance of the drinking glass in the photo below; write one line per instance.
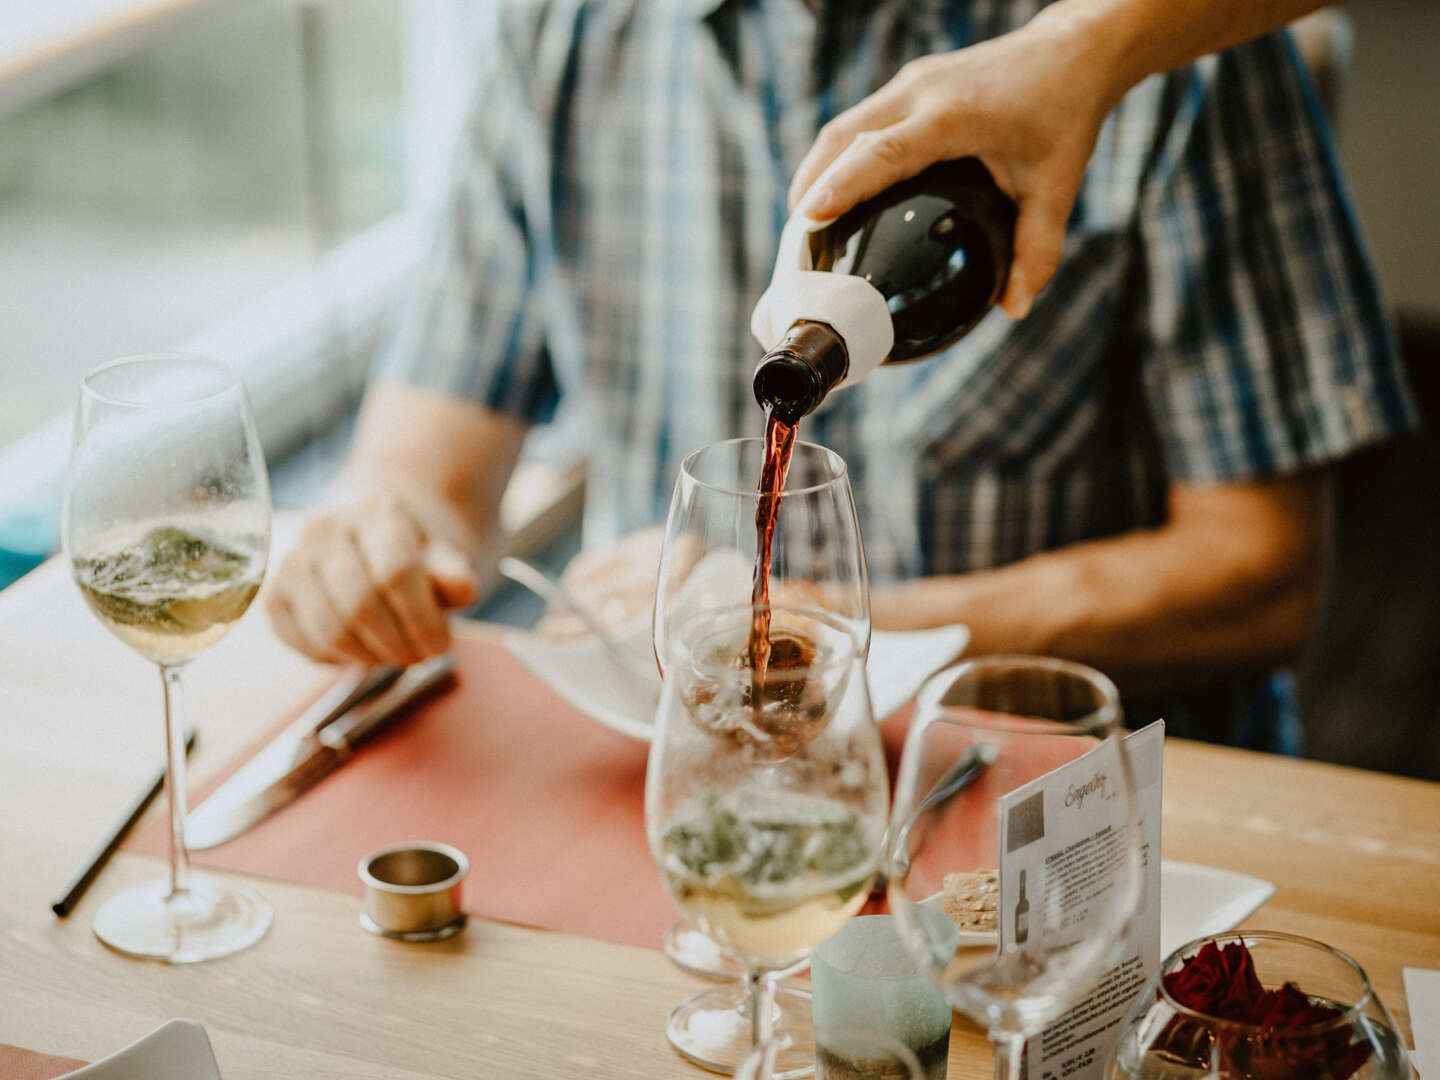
(708, 564)
(167, 529)
(765, 823)
(983, 728)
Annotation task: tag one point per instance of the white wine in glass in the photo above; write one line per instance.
(765, 818)
(167, 529)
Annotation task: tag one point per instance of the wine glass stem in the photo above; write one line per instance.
(762, 1005)
(1009, 1054)
(175, 778)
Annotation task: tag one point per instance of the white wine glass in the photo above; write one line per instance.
(1012, 955)
(708, 564)
(167, 529)
(766, 831)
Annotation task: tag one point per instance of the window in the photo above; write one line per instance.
(246, 180)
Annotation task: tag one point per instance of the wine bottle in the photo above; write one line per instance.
(896, 278)
(1022, 915)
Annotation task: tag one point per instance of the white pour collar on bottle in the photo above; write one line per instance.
(849, 305)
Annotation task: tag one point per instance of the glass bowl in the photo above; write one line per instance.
(1161, 1039)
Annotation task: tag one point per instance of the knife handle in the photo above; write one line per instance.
(414, 683)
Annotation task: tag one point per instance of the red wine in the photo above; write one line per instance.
(779, 445)
(936, 247)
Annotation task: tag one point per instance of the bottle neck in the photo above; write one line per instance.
(793, 378)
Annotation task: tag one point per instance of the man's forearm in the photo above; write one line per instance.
(1155, 609)
(1138, 38)
(448, 461)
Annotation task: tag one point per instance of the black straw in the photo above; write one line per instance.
(81, 881)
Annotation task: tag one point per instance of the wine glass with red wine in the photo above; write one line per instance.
(755, 525)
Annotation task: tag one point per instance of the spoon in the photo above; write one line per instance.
(554, 593)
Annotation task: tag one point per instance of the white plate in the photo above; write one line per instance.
(178, 1050)
(1195, 901)
(582, 672)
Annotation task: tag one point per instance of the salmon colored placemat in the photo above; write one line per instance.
(17, 1063)
(547, 804)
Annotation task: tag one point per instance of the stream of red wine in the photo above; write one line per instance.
(779, 444)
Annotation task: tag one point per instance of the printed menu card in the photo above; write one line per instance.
(1061, 838)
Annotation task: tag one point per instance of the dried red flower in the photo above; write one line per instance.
(1222, 983)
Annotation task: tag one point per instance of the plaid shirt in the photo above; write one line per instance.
(620, 195)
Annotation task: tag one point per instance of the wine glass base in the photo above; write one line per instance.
(694, 953)
(206, 921)
(712, 1029)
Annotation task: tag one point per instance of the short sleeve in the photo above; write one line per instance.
(1266, 347)
(472, 325)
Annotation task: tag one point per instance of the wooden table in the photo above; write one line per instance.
(1355, 856)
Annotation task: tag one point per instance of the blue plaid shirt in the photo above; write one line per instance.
(621, 190)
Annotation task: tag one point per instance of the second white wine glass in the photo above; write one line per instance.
(167, 528)
(765, 820)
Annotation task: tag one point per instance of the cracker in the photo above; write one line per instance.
(973, 900)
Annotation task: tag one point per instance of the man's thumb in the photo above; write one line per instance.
(450, 575)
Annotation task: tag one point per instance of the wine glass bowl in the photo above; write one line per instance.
(166, 525)
(709, 555)
(1011, 954)
(765, 823)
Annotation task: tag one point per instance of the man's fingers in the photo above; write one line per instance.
(320, 623)
(1039, 240)
(391, 548)
(882, 109)
(871, 163)
(345, 580)
(302, 617)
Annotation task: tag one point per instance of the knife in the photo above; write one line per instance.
(318, 743)
(967, 769)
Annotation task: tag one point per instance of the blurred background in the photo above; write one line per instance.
(253, 179)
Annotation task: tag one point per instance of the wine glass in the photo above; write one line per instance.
(167, 528)
(1011, 954)
(708, 563)
(765, 822)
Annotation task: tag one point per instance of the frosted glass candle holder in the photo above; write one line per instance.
(864, 978)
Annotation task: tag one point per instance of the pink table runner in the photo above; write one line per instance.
(17, 1063)
(547, 805)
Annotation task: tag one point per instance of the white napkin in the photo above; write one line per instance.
(1196, 901)
(1422, 993)
(177, 1050)
(584, 673)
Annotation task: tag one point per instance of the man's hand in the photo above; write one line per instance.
(368, 584)
(614, 585)
(418, 499)
(1028, 104)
